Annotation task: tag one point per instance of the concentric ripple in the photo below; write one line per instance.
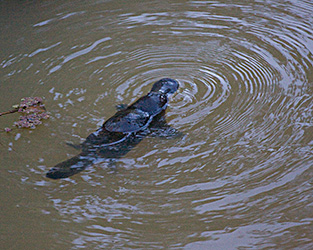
(244, 105)
(241, 174)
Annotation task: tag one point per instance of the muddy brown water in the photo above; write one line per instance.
(239, 178)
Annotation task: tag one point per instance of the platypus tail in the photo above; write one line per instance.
(69, 167)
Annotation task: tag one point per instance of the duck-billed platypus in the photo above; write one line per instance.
(123, 131)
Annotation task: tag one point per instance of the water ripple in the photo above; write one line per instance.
(244, 106)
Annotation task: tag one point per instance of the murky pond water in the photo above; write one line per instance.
(239, 178)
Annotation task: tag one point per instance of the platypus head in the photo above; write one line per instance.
(165, 86)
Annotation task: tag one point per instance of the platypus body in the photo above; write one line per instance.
(123, 131)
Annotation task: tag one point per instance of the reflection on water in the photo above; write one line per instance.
(241, 177)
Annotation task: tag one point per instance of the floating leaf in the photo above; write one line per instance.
(33, 111)
(7, 129)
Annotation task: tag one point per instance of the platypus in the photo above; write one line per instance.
(124, 130)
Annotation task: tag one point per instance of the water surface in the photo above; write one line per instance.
(239, 178)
